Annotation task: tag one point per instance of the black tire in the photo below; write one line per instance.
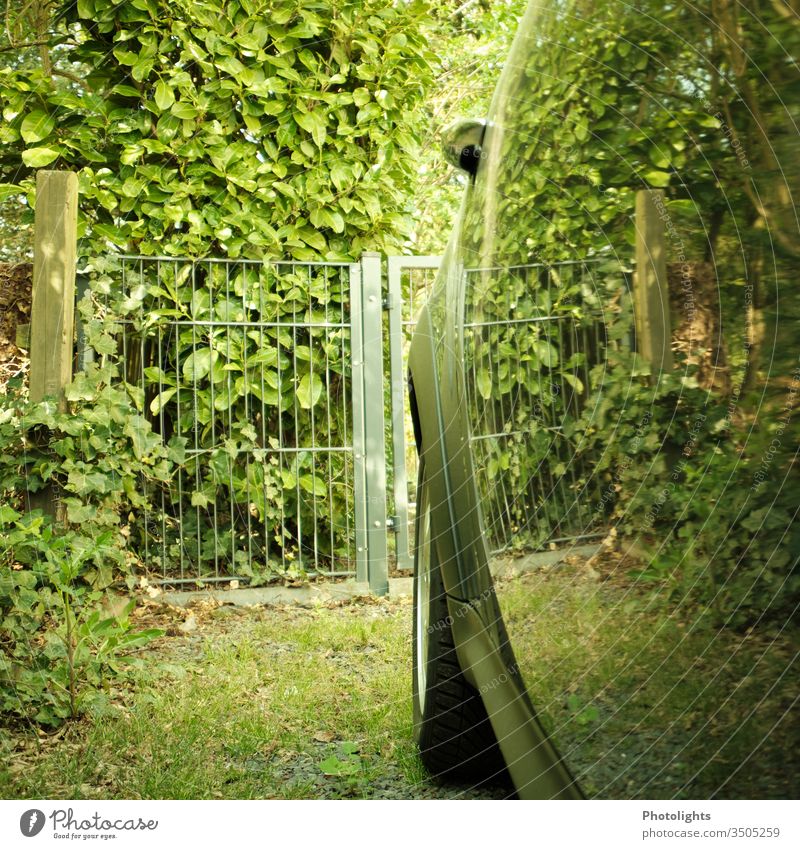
(451, 727)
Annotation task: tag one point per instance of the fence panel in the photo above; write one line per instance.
(247, 368)
(532, 336)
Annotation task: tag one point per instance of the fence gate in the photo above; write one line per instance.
(266, 381)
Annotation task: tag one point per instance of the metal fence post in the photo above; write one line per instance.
(399, 336)
(398, 378)
(359, 449)
(374, 439)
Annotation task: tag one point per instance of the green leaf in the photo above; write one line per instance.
(225, 396)
(582, 129)
(176, 449)
(126, 90)
(314, 123)
(659, 157)
(142, 68)
(38, 157)
(336, 222)
(314, 485)
(198, 364)
(333, 766)
(361, 97)
(140, 638)
(36, 126)
(143, 440)
(78, 512)
(164, 95)
(341, 174)
(131, 154)
(157, 404)
(8, 190)
(93, 482)
(199, 499)
(575, 382)
(309, 390)
(546, 352)
(659, 179)
(183, 110)
(8, 515)
(484, 383)
(80, 389)
(313, 238)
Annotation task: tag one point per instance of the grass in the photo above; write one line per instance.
(291, 703)
(246, 706)
(649, 701)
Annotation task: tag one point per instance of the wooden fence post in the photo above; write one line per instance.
(53, 302)
(650, 289)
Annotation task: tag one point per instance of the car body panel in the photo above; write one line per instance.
(482, 645)
(642, 126)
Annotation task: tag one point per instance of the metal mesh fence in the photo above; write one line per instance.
(244, 367)
(258, 376)
(533, 335)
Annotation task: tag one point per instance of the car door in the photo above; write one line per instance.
(558, 447)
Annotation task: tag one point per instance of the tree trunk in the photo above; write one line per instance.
(697, 328)
(754, 316)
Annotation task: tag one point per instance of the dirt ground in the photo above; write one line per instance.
(15, 309)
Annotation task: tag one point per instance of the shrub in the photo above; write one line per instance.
(61, 629)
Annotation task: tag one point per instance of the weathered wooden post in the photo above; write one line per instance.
(650, 288)
(53, 302)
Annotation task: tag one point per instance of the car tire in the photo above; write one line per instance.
(451, 727)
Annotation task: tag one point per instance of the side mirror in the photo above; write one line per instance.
(461, 143)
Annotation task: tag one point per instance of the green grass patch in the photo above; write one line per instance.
(247, 706)
(649, 701)
(298, 703)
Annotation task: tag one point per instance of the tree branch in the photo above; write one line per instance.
(76, 79)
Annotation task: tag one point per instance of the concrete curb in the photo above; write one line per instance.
(323, 593)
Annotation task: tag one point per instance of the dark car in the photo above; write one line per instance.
(608, 118)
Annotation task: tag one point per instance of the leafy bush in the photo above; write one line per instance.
(61, 640)
(680, 474)
(249, 128)
(61, 630)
